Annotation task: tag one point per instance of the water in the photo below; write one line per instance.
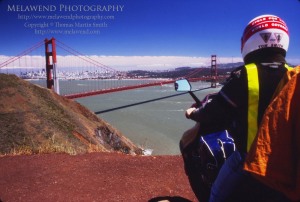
(157, 125)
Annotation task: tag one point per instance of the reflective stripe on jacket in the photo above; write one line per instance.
(253, 100)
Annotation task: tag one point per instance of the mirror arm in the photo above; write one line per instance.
(198, 102)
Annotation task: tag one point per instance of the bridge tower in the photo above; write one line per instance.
(52, 80)
(214, 71)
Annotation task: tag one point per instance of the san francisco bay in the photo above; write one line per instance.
(152, 117)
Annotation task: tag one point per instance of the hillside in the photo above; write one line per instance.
(37, 120)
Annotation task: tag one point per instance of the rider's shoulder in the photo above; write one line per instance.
(238, 72)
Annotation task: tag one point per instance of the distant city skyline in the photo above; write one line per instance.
(141, 34)
(118, 63)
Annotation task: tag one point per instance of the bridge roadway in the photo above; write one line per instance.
(103, 91)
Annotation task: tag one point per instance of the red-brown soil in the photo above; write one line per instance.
(93, 177)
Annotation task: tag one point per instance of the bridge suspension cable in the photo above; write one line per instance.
(82, 56)
(26, 52)
(196, 71)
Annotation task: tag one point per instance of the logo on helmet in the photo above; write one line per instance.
(265, 36)
(278, 37)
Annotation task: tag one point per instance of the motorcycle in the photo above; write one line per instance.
(204, 156)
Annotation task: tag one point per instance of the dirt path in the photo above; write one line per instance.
(93, 177)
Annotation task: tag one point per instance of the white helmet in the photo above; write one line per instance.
(263, 32)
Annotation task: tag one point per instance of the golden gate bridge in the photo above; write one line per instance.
(43, 56)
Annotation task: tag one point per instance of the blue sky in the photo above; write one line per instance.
(188, 28)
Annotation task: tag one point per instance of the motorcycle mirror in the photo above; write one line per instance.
(182, 85)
